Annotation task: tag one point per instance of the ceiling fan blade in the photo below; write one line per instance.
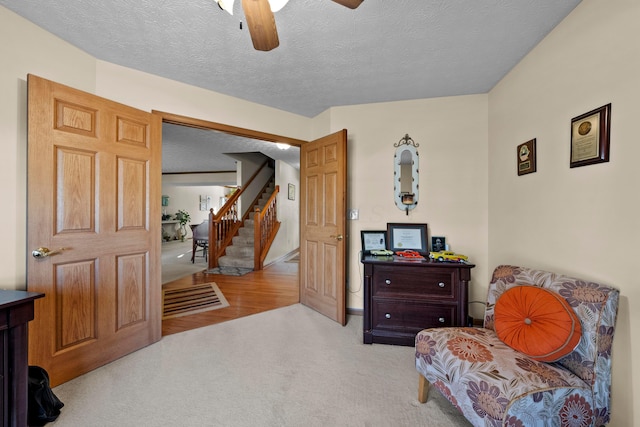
(351, 4)
(261, 23)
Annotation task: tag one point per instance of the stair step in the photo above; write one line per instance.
(246, 232)
(242, 240)
(240, 251)
(227, 261)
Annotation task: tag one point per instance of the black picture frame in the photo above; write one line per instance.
(373, 240)
(404, 236)
(438, 243)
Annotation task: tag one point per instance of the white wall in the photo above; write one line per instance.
(452, 137)
(288, 237)
(250, 165)
(579, 221)
(187, 198)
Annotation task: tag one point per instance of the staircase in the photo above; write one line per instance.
(240, 252)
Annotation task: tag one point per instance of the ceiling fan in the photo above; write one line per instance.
(262, 23)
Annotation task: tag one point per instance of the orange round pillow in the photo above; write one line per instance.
(537, 322)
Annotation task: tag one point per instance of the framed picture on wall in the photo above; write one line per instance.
(291, 195)
(527, 157)
(590, 137)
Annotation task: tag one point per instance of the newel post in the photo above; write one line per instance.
(257, 240)
(213, 240)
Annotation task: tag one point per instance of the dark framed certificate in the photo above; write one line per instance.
(407, 237)
(590, 137)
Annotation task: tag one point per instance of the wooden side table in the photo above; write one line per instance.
(402, 297)
(16, 310)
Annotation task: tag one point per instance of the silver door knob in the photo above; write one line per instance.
(45, 252)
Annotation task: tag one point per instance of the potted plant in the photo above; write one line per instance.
(183, 218)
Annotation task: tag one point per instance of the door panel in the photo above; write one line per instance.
(94, 173)
(322, 229)
(75, 287)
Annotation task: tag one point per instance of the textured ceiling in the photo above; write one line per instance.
(329, 55)
(195, 150)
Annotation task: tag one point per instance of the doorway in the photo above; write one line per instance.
(199, 155)
(201, 167)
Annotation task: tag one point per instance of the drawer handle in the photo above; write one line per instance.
(388, 282)
(441, 319)
(388, 316)
(441, 284)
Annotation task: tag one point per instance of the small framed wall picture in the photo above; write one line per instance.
(291, 195)
(373, 240)
(590, 137)
(527, 157)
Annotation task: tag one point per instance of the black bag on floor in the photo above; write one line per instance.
(44, 406)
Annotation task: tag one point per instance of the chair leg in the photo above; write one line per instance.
(423, 389)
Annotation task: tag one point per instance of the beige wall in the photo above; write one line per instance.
(26, 49)
(579, 221)
(452, 137)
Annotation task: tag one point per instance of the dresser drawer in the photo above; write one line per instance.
(410, 316)
(435, 282)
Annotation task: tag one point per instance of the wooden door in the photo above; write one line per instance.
(94, 174)
(323, 178)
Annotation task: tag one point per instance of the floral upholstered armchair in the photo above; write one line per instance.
(560, 373)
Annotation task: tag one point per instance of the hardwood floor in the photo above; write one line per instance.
(275, 286)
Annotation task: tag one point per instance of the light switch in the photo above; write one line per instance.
(353, 214)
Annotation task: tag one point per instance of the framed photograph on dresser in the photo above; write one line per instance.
(373, 240)
(404, 236)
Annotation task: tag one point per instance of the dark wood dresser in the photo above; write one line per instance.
(403, 297)
(16, 310)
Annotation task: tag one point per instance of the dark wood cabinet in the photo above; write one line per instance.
(402, 297)
(16, 310)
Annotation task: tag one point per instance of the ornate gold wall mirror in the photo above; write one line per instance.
(405, 174)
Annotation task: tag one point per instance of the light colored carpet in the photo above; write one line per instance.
(191, 299)
(285, 367)
(176, 261)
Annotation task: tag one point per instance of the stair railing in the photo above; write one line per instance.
(224, 225)
(265, 228)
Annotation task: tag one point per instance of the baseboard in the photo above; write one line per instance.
(355, 311)
(284, 257)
